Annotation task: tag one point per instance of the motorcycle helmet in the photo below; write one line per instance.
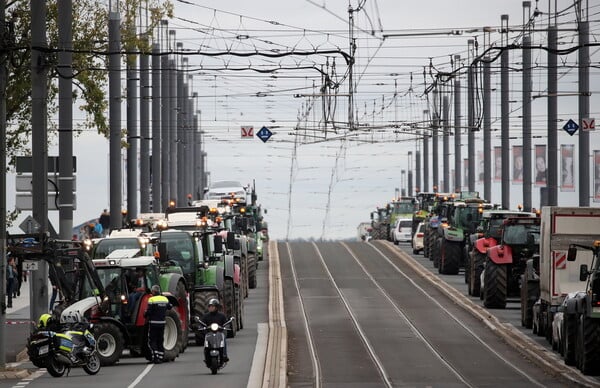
(214, 302)
(44, 321)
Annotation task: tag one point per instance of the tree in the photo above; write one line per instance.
(90, 45)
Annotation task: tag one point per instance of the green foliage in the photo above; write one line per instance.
(90, 40)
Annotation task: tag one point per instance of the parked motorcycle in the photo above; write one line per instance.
(71, 345)
(214, 344)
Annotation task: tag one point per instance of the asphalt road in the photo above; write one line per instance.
(357, 316)
(188, 370)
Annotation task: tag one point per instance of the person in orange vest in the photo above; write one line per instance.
(155, 316)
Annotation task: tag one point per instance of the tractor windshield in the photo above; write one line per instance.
(520, 234)
(180, 249)
(106, 246)
(403, 207)
(468, 218)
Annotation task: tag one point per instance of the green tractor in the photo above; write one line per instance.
(431, 224)
(400, 208)
(380, 223)
(462, 218)
(425, 202)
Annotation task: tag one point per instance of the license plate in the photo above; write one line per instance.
(43, 350)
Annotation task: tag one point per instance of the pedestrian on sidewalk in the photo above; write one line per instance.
(11, 277)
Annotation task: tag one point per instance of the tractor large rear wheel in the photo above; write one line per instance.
(200, 308)
(435, 250)
(173, 335)
(181, 294)
(252, 271)
(529, 295)
(450, 257)
(240, 308)
(425, 244)
(569, 338)
(475, 270)
(495, 285)
(229, 304)
(589, 355)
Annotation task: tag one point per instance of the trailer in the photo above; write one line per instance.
(560, 227)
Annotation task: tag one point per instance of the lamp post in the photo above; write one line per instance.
(410, 174)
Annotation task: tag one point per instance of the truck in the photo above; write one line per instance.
(564, 270)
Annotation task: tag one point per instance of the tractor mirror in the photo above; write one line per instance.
(571, 253)
(230, 240)
(218, 244)
(583, 272)
(162, 251)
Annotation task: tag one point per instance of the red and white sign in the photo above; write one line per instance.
(247, 132)
(588, 124)
(560, 260)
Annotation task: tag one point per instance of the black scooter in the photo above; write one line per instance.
(214, 344)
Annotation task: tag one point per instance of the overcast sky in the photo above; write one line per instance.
(333, 185)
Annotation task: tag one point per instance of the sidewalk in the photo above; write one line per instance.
(17, 329)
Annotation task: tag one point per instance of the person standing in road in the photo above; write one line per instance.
(11, 278)
(155, 315)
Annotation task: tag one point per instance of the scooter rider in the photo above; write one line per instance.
(155, 316)
(215, 316)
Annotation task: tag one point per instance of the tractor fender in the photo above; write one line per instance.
(237, 276)
(483, 244)
(172, 299)
(456, 235)
(228, 267)
(169, 281)
(573, 304)
(251, 244)
(500, 254)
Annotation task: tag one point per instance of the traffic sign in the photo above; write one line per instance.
(264, 134)
(571, 127)
(247, 132)
(25, 164)
(24, 182)
(30, 265)
(29, 225)
(24, 201)
(588, 124)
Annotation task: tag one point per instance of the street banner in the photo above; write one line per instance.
(540, 165)
(517, 164)
(567, 171)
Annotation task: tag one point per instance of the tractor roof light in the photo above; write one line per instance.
(161, 225)
(87, 244)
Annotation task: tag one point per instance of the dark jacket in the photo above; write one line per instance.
(157, 310)
(214, 317)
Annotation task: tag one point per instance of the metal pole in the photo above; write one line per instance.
(446, 143)
(180, 120)
(487, 131)
(457, 130)
(410, 174)
(65, 118)
(418, 170)
(144, 133)
(584, 106)
(114, 90)
(156, 132)
(196, 150)
(173, 128)
(132, 137)
(426, 151)
(3, 77)
(505, 115)
(434, 141)
(471, 116)
(189, 145)
(39, 144)
(552, 159)
(527, 175)
(165, 89)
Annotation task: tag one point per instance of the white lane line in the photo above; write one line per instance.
(141, 376)
(492, 350)
(257, 370)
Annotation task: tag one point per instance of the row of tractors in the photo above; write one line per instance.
(210, 249)
(547, 261)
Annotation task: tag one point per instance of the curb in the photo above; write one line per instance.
(10, 373)
(275, 373)
(545, 359)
